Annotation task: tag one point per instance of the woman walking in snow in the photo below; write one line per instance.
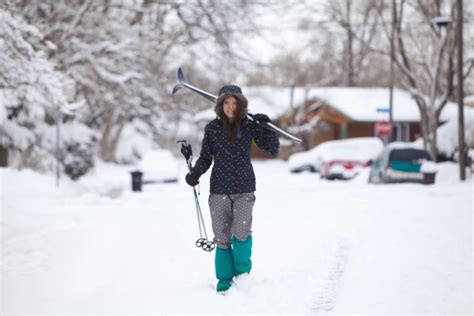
(227, 141)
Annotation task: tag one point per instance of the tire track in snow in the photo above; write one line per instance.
(328, 284)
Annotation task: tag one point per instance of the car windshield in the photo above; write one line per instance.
(409, 154)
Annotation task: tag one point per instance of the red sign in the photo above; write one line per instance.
(383, 129)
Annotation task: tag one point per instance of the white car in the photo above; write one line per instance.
(338, 159)
(304, 161)
(345, 158)
(159, 165)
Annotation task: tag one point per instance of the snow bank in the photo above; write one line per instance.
(159, 165)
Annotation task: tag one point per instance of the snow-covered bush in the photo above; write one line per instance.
(77, 159)
(77, 145)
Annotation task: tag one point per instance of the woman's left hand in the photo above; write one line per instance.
(260, 117)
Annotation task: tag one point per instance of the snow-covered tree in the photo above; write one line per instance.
(32, 94)
(123, 55)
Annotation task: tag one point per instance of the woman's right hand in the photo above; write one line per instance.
(191, 179)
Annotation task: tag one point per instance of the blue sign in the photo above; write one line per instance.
(384, 110)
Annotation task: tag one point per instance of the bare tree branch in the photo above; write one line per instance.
(77, 19)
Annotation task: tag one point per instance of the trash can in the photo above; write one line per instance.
(136, 180)
(429, 177)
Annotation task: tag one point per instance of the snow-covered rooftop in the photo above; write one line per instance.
(359, 104)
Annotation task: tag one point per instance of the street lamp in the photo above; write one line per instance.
(442, 21)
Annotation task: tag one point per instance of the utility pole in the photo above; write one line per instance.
(460, 93)
(392, 57)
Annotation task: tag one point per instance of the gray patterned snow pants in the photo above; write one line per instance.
(231, 214)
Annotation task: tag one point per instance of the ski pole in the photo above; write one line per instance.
(203, 242)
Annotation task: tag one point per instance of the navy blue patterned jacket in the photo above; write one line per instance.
(232, 171)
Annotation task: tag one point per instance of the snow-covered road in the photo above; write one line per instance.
(319, 246)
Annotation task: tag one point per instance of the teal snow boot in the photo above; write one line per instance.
(224, 268)
(242, 251)
(223, 285)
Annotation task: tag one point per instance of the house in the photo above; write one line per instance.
(341, 112)
(338, 113)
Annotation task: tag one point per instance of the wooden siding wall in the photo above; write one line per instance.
(360, 130)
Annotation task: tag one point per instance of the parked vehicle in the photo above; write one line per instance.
(337, 159)
(342, 169)
(304, 161)
(399, 162)
(344, 159)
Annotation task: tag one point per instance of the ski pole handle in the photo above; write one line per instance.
(187, 152)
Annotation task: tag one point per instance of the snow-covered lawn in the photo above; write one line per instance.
(319, 246)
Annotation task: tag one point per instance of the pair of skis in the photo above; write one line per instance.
(267, 125)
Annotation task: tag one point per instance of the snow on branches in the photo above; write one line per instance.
(32, 93)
